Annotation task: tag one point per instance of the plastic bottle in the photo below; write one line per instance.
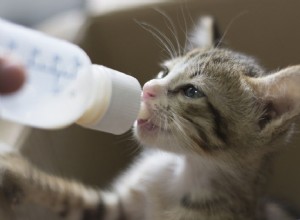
(64, 87)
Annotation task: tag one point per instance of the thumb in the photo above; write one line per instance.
(12, 75)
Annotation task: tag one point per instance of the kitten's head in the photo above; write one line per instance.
(213, 100)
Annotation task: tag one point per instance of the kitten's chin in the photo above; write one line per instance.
(149, 131)
(150, 134)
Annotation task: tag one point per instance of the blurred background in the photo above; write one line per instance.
(107, 30)
(32, 12)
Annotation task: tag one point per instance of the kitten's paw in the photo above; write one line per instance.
(11, 191)
(12, 169)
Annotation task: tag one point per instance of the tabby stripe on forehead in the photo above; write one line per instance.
(198, 71)
(195, 55)
(219, 122)
(201, 66)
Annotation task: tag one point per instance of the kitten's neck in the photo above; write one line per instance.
(203, 178)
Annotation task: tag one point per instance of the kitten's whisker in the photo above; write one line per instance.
(134, 148)
(152, 118)
(229, 26)
(185, 30)
(178, 133)
(181, 130)
(161, 37)
(188, 140)
(124, 137)
(221, 39)
(171, 27)
(212, 52)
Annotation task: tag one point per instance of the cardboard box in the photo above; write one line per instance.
(266, 29)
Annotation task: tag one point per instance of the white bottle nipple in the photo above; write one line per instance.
(115, 102)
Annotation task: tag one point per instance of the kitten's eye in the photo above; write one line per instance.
(191, 92)
(163, 73)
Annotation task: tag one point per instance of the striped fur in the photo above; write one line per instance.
(206, 156)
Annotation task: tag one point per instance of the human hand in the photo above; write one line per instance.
(12, 75)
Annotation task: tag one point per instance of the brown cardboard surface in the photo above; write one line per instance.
(266, 29)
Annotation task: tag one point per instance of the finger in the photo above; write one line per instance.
(12, 76)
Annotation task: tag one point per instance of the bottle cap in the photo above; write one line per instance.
(116, 101)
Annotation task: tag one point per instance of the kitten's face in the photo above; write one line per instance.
(215, 100)
(201, 102)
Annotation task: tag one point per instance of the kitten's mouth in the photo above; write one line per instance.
(147, 125)
(144, 121)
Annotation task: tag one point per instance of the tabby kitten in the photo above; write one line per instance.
(209, 122)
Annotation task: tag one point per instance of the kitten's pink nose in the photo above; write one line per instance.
(151, 90)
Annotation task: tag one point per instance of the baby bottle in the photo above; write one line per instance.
(63, 86)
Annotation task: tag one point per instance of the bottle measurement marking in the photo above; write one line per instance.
(12, 45)
(58, 67)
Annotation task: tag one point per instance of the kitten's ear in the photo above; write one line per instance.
(279, 94)
(204, 35)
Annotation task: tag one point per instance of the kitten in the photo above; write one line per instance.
(210, 123)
